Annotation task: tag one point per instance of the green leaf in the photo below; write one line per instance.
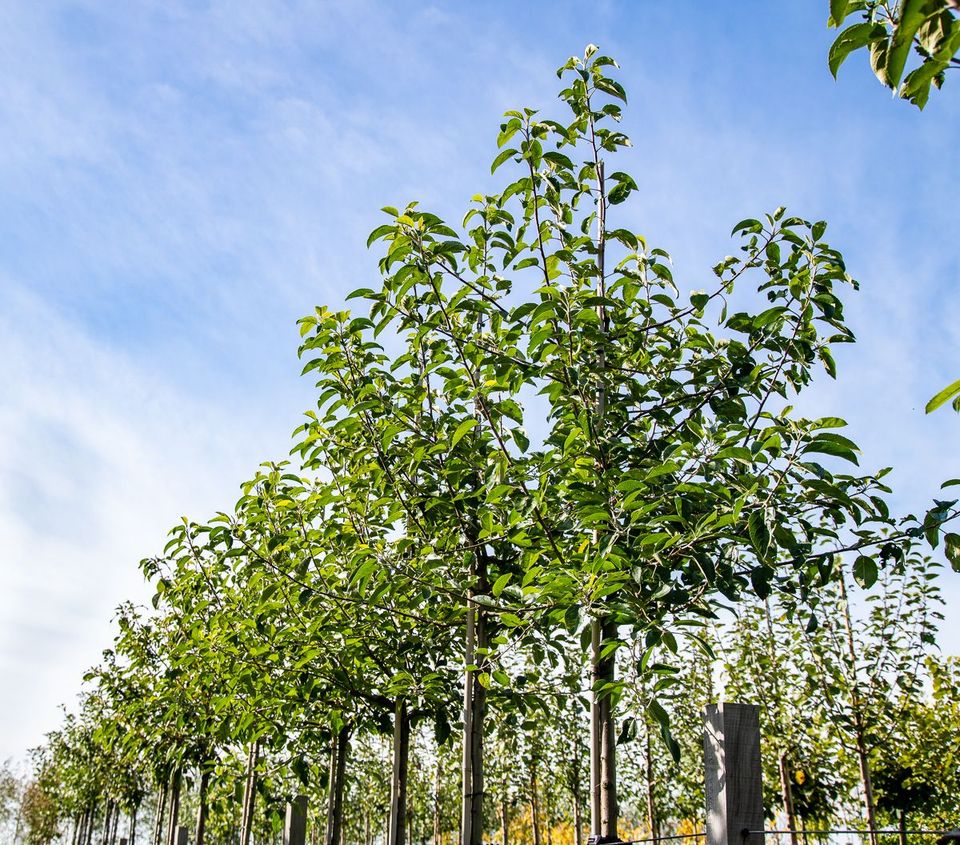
(500, 584)
(944, 395)
(838, 12)
(916, 85)
(379, 232)
(523, 442)
(912, 15)
(749, 226)
(837, 448)
(699, 299)
(759, 534)
(657, 713)
(609, 86)
(628, 731)
(865, 571)
(624, 187)
(462, 429)
(501, 158)
(853, 38)
(951, 548)
(760, 581)
(670, 741)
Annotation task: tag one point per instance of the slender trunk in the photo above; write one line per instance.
(73, 834)
(577, 820)
(175, 785)
(367, 840)
(338, 770)
(604, 811)
(80, 829)
(902, 829)
(158, 815)
(504, 818)
(93, 822)
(863, 754)
(398, 781)
(652, 819)
(782, 733)
(787, 795)
(437, 783)
(331, 787)
(132, 831)
(107, 822)
(576, 792)
(474, 710)
(534, 805)
(202, 808)
(116, 824)
(603, 769)
(250, 794)
(548, 816)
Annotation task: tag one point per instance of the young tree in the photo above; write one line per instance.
(669, 468)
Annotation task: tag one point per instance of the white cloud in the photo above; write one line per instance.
(98, 459)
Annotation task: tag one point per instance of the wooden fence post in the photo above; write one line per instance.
(295, 825)
(734, 784)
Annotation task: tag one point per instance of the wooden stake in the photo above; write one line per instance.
(295, 824)
(734, 783)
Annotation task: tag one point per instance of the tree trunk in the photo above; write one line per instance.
(504, 818)
(437, 782)
(338, 768)
(548, 815)
(652, 818)
(603, 767)
(863, 754)
(787, 795)
(902, 827)
(115, 825)
(107, 821)
(93, 822)
(398, 781)
(474, 710)
(249, 794)
(534, 806)
(132, 832)
(158, 816)
(175, 785)
(576, 793)
(78, 829)
(202, 808)
(367, 839)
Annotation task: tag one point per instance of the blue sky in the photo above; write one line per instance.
(179, 181)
